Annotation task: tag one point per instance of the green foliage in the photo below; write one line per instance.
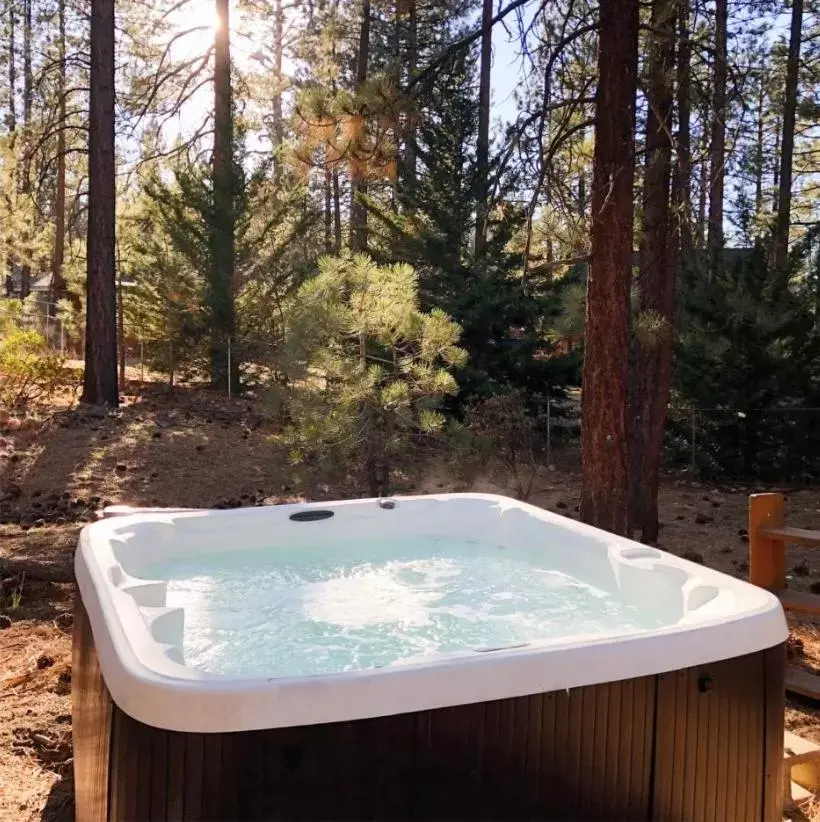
(503, 429)
(368, 369)
(503, 324)
(748, 347)
(29, 372)
(167, 253)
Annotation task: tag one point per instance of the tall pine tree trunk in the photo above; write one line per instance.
(221, 286)
(58, 283)
(604, 490)
(358, 176)
(100, 378)
(682, 177)
(337, 214)
(784, 190)
(11, 116)
(651, 376)
(412, 66)
(717, 147)
(703, 189)
(759, 163)
(483, 145)
(12, 65)
(278, 122)
(776, 168)
(328, 212)
(28, 95)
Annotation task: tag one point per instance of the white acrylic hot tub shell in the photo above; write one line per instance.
(138, 640)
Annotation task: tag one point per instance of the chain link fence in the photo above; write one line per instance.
(768, 445)
(764, 445)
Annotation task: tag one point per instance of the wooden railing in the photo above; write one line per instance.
(768, 537)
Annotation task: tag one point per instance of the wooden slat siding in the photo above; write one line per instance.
(667, 749)
(611, 801)
(117, 778)
(722, 771)
(745, 742)
(492, 758)
(685, 779)
(159, 775)
(446, 763)
(520, 749)
(707, 751)
(732, 753)
(176, 776)
(125, 790)
(626, 727)
(212, 777)
(548, 744)
(598, 747)
(575, 780)
(558, 738)
(141, 752)
(773, 669)
(420, 800)
(232, 757)
(401, 755)
(794, 536)
(645, 753)
(254, 800)
(91, 710)
(757, 730)
(533, 757)
(591, 741)
(194, 768)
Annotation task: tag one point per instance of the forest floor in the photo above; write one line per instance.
(196, 449)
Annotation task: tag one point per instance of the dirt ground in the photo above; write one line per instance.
(197, 449)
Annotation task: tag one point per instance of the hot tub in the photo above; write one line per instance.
(458, 656)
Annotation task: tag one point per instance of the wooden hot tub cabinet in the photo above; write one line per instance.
(702, 744)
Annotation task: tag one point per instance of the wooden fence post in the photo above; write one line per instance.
(767, 556)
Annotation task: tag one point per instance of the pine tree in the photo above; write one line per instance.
(100, 379)
(606, 340)
(384, 366)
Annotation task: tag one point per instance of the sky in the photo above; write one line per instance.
(201, 14)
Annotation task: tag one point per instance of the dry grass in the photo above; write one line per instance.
(198, 449)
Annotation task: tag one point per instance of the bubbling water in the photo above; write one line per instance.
(358, 605)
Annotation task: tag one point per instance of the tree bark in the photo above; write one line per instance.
(703, 189)
(412, 66)
(759, 149)
(358, 175)
(483, 145)
(58, 283)
(776, 169)
(278, 123)
(221, 286)
(100, 378)
(651, 376)
(11, 116)
(604, 490)
(682, 178)
(784, 190)
(328, 215)
(12, 60)
(717, 148)
(28, 94)
(337, 214)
